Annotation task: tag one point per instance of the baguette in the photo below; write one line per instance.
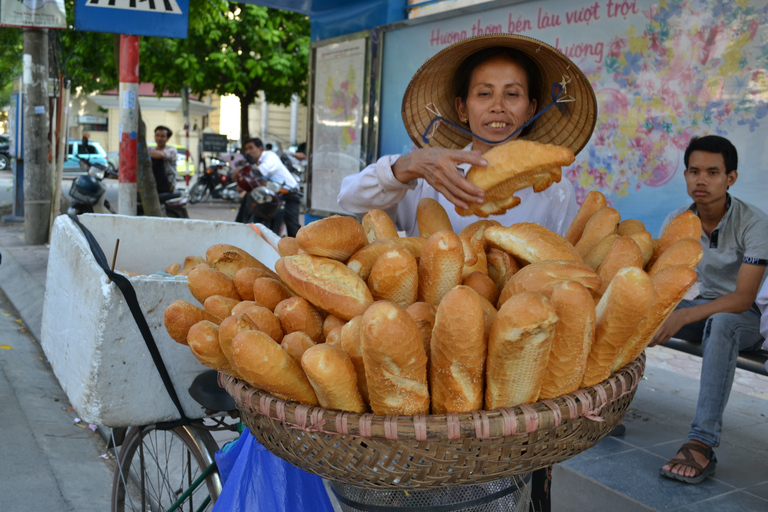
(229, 259)
(483, 285)
(204, 281)
(288, 246)
(241, 306)
(326, 283)
(458, 352)
(245, 277)
(619, 312)
(337, 237)
(332, 375)
(203, 341)
(574, 333)
(543, 277)
(628, 227)
(265, 365)
(477, 230)
(593, 202)
(603, 223)
(269, 292)
(228, 329)
(670, 285)
(475, 259)
(330, 323)
(623, 253)
(685, 251)
(219, 305)
(395, 277)
(513, 166)
(518, 350)
(181, 315)
(644, 240)
(362, 261)
(266, 321)
(431, 217)
(424, 314)
(173, 269)
(596, 255)
(501, 266)
(296, 314)
(685, 225)
(440, 266)
(529, 242)
(377, 225)
(296, 343)
(395, 361)
(352, 344)
(191, 262)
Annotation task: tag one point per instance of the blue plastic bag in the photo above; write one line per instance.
(257, 481)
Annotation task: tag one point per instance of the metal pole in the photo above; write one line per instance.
(37, 178)
(294, 118)
(129, 124)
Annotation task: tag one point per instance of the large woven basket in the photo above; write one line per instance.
(428, 451)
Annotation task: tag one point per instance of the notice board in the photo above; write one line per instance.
(663, 71)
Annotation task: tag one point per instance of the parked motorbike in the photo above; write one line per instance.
(174, 205)
(87, 193)
(263, 201)
(216, 182)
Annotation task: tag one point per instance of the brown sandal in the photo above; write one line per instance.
(685, 458)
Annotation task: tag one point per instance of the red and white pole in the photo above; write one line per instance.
(128, 132)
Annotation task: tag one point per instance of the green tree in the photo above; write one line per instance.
(247, 49)
(11, 49)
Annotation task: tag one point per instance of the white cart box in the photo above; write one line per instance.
(88, 333)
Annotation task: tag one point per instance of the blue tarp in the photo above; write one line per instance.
(257, 481)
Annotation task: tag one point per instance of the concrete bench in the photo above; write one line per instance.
(751, 361)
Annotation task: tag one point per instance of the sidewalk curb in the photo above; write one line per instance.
(25, 293)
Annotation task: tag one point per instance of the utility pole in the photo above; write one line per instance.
(37, 175)
(129, 124)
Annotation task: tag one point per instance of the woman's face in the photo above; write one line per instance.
(497, 103)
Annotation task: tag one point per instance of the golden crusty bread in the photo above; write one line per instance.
(228, 329)
(513, 166)
(604, 222)
(245, 277)
(181, 315)
(296, 314)
(269, 292)
(431, 217)
(265, 365)
(362, 261)
(440, 266)
(332, 375)
(529, 242)
(219, 305)
(483, 285)
(424, 314)
(288, 246)
(266, 321)
(685, 225)
(477, 229)
(334, 336)
(670, 285)
(337, 237)
(191, 262)
(326, 283)
(173, 269)
(475, 258)
(204, 281)
(685, 251)
(395, 361)
(628, 227)
(574, 333)
(203, 341)
(377, 225)
(617, 316)
(296, 343)
(241, 306)
(544, 276)
(597, 254)
(518, 350)
(644, 241)
(624, 252)
(501, 266)
(395, 277)
(330, 323)
(458, 350)
(352, 344)
(593, 202)
(229, 259)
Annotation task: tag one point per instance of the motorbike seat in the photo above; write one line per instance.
(165, 196)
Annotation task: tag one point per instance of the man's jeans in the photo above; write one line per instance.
(722, 336)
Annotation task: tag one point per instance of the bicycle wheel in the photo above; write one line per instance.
(198, 192)
(156, 467)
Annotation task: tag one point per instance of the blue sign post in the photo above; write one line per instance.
(156, 18)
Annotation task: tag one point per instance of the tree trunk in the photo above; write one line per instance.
(244, 132)
(145, 178)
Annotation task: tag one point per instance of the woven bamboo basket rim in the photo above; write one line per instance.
(483, 425)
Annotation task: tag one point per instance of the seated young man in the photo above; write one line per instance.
(724, 315)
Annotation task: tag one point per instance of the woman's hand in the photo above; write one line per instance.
(438, 167)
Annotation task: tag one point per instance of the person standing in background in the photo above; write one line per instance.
(163, 160)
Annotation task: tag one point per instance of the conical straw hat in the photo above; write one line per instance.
(431, 91)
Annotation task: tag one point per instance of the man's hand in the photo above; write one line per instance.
(674, 323)
(438, 167)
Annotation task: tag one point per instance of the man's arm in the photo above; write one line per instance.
(747, 285)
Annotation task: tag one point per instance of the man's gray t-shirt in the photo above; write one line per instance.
(740, 237)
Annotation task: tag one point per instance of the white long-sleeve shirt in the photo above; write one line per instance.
(376, 187)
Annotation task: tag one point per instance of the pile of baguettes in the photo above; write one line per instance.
(356, 318)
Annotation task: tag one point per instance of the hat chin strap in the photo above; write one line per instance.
(556, 93)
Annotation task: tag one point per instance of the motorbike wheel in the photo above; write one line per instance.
(5, 163)
(176, 213)
(198, 192)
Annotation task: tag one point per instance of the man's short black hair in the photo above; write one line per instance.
(255, 141)
(167, 130)
(714, 144)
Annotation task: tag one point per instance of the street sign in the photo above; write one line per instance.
(215, 142)
(157, 18)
